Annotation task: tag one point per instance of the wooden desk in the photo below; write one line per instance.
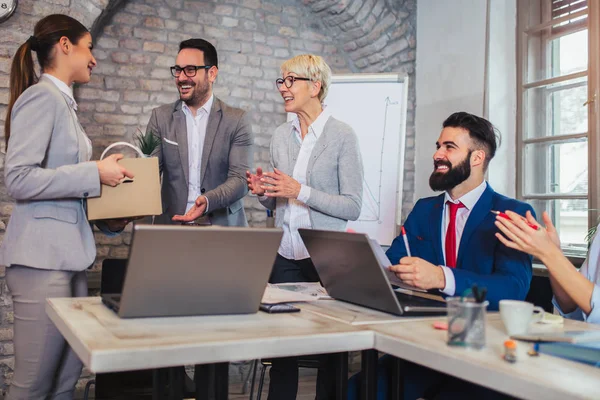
(542, 377)
(106, 343)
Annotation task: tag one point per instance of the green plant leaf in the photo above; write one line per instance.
(147, 142)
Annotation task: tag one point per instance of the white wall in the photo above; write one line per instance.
(452, 75)
(502, 92)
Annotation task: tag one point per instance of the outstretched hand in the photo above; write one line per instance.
(197, 210)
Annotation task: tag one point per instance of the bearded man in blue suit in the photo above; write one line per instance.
(452, 260)
(452, 245)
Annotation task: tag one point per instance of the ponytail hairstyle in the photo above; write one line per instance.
(46, 34)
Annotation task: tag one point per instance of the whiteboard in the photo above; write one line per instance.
(374, 105)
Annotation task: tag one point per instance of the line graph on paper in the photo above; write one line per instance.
(376, 110)
(371, 208)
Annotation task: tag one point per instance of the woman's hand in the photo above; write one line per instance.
(111, 173)
(117, 225)
(254, 181)
(278, 184)
(520, 236)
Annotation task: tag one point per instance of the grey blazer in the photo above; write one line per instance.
(334, 174)
(226, 156)
(47, 172)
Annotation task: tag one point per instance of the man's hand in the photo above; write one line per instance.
(197, 210)
(415, 271)
(278, 184)
(254, 182)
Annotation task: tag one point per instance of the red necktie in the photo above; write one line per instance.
(451, 234)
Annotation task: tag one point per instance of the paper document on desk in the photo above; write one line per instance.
(314, 289)
(384, 262)
(275, 295)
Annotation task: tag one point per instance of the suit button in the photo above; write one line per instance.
(86, 194)
(202, 190)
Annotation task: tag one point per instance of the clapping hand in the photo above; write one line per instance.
(254, 183)
(520, 236)
(278, 184)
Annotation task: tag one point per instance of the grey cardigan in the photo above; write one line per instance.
(334, 174)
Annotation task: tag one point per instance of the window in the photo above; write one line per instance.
(557, 126)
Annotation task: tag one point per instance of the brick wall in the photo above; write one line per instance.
(136, 42)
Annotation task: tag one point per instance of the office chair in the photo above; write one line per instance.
(303, 362)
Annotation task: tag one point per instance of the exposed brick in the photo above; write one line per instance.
(6, 334)
(115, 118)
(172, 25)
(105, 107)
(126, 18)
(221, 9)
(135, 96)
(154, 47)
(229, 22)
(120, 57)
(153, 22)
(140, 58)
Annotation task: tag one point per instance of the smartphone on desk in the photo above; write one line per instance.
(278, 308)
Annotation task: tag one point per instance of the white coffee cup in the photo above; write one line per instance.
(517, 315)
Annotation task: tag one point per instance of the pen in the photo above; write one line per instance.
(405, 241)
(501, 214)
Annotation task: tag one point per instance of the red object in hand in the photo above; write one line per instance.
(501, 214)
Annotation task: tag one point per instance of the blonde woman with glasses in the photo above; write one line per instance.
(315, 182)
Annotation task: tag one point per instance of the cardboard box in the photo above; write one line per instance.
(135, 197)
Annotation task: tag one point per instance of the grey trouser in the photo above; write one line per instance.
(45, 365)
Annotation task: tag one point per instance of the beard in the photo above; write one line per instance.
(444, 181)
(198, 94)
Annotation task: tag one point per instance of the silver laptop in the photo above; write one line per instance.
(176, 270)
(349, 270)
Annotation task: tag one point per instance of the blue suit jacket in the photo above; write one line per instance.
(482, 258)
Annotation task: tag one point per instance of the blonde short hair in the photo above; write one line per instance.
(312, 67)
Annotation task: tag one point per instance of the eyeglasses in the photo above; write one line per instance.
(289, 81)
(189, 70)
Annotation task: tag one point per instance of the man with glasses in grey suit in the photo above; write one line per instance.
(205, 145)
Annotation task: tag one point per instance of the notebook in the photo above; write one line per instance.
(566, 337)
(588, 353)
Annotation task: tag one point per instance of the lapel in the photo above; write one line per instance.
(435, 224)
(79, 132)
(321, 144)
(181, 135)
(476, 217)
(214, 119)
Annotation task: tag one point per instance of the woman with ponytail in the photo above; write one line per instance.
(49, 243)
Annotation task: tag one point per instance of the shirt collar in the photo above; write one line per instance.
(469, 199)
(206, 106)
(64, 88)
(318, 124)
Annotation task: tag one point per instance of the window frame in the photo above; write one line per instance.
(593, 96)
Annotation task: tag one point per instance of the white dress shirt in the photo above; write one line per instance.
(468, 200)
(296, 214)
(196, 132)
(591, 270)
(64, 88)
